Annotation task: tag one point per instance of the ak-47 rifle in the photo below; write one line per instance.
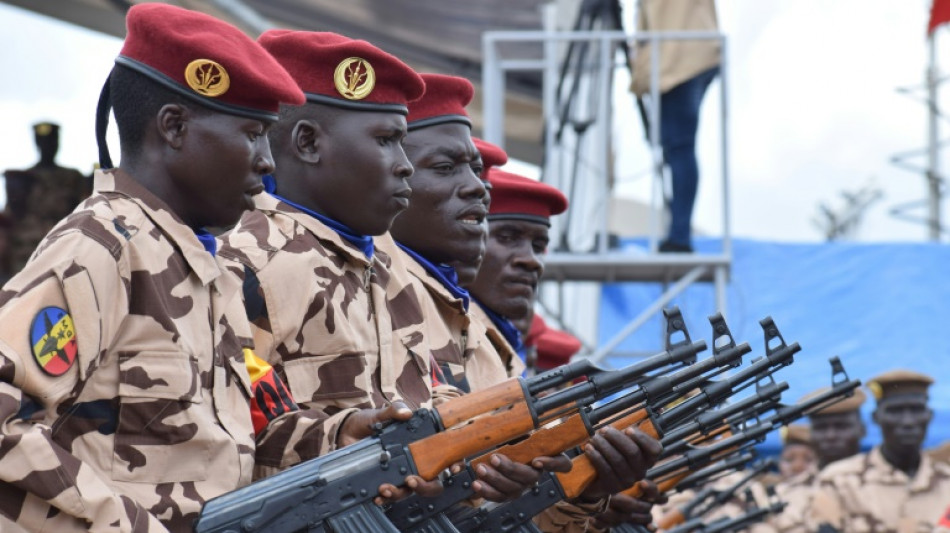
(710, 498)
(726, 524)
(514, 515)
(335, 492)
(417, 513)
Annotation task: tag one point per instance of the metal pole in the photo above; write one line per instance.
(933, 144)
(724, 133)
(493, 93)
(645, 315)
(603, 110)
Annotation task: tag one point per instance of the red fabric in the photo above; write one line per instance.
(313, 57)
(168, 38)
(554, 347)
(945, 519)
(512, 194)
(939, 13)
(271, 399)
(492, 155)
(445, 97)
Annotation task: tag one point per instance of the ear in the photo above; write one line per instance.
(307, 138)
(874, 416)
(172, 124)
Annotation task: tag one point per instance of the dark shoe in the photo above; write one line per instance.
(675, 247)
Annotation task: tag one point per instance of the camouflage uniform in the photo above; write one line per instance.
(51, 193)
(150, 418)
(513, 364)
(864, 493)
(797, 493)
(459, 343)
(323, 314)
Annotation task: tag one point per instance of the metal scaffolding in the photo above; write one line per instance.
(584, 253)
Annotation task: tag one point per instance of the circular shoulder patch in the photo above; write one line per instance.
(53, 340)
(354, 78)
(207, 77)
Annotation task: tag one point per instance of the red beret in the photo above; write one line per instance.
(554, 347)
(517, 197)
(492, 155)
(444, 101)
(208, 60)
(336, 70)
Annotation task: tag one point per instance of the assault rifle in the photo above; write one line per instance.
(553, 487)
(726, 524)
(417, 513)
(335, 492)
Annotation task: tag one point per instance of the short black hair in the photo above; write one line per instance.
(136, 100)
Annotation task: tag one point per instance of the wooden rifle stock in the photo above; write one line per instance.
(469, 406)
(553, 440)
(440, 451)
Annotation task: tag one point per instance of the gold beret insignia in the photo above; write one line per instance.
(354, 78)
(207, 77)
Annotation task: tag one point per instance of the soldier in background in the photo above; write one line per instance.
(894, 487)
(40, 196)
(5, 224)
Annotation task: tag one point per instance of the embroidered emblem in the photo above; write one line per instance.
(207, 77)
(354, 78)
(53, 339)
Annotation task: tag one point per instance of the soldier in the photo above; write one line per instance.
(317, 290)
(894, 487)
(41, 195)
(836, 433)
(123, 386)
(798, 456)
(5, 224)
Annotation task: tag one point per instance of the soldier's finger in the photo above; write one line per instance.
(520, 473)
(557, 463)
(621, 453)
(650, 447)
(495, 487)
(396, 411)
(428, 489)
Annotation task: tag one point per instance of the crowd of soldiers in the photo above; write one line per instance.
(375, 261)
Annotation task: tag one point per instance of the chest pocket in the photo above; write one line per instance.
(341, 380)
(162, 431)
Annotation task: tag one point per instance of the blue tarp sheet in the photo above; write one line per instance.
(877, 306)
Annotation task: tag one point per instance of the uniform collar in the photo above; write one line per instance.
(180, 234)
(363, 242)
(506, 328)
(269, 203)
(444, 274)
(888, 474)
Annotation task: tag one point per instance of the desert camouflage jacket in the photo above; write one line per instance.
(123, 391)
(323, 314)
(797, 493)
(458, 343)
(864, 493)
(512, 364)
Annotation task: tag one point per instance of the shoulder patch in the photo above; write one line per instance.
(53, 340)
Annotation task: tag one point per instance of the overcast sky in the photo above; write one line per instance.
(813, 108)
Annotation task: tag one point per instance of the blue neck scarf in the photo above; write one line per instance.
(207, 240)
(363, 242)
(444, 273)
(507, 329)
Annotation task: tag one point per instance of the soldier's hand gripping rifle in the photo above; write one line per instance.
(417, 513)
(335, 492)
(552, 488)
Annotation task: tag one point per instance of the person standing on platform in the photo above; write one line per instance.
(894, 487)
(124, 395)
(686, 68)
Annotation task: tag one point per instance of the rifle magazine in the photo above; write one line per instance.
(365, 518)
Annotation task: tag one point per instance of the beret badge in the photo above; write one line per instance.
(354, 78)
(207, 77)
(876, 390)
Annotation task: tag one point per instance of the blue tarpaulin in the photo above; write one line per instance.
(876, 306)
